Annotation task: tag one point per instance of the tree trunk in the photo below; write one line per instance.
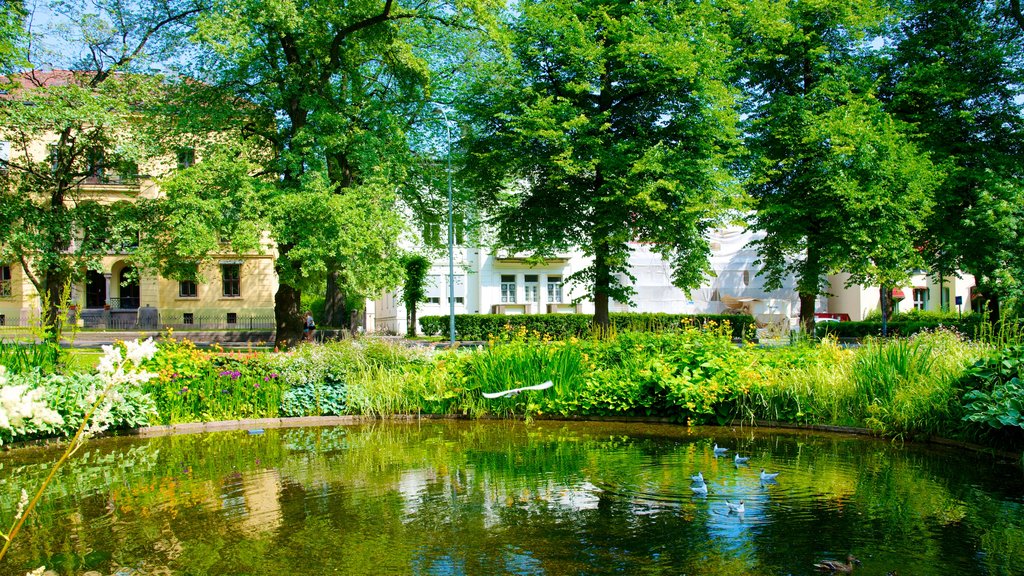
(335, 313)
(808, 286)
(411, 330)
(288, 317)
(53, 293)
(807, 313)
(992, 303)
(602, 280)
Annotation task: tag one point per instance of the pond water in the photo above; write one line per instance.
(481, 498)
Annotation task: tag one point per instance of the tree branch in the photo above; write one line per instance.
(28, 272)
(1016, 14)
(102, 75)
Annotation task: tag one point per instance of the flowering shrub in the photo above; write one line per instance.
(119, 371)
(23, 410)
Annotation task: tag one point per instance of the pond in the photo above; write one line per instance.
(551, 498)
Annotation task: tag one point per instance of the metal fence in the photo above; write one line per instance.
(152, 319)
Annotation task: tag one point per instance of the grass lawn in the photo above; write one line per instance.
(83, 359)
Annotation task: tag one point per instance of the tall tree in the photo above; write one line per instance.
(838, 184)
(12, 36)
(611, 122)
(69, 128)
(324, 85)
(955, 70)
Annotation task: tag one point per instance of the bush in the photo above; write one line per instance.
(995, 394)
(19, 358)
(564, 326)
(68, 396)
(900, 325)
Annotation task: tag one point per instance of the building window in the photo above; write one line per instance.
(5, 282)
(433, 289)
(554, 289)
(3, 319)
(460, 300)
(531, 286)
(96, 165)
(508, 288)
(186, 157)
(188, 318)
(231, 280)
(187, 289)
(944, 299)
(232, 317)
(920, 298)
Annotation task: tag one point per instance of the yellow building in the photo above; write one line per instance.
(238, 291)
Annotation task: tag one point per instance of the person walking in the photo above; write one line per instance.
(308, 327)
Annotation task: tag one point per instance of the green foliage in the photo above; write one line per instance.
(562, 326)
(966, 104)
(414, 289)
(995, 395)
(45, 357)
(607, 123)
(896, 386)
(909, 385)
(1003, 406)
(900, 326)
(69, 395)
(316, 399)
(838, 183)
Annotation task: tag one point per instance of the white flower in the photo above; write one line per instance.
(37, 572)
(111, 359)
(21, 408)
(140, 351)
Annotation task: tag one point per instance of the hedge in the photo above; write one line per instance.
(968, 326)
(479, 326)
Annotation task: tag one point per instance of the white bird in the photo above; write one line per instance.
(700, 489)
(720, 450)
(740, 459)
(737, 508)
(766, 476)
(514, 391)
(699, 478)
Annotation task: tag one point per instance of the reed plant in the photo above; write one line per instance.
(19, 358)
(910, 385)
(518, 357)
(805, 382)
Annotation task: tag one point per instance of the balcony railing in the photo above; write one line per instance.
(124, 303)
(110, 180)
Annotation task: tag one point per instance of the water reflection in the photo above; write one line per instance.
(455, 498)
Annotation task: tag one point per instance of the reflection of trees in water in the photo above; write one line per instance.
(496, 497)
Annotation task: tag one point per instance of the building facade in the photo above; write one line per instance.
(238, 291)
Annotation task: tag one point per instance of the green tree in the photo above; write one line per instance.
(12, 36)
(955, 70)
(68, 129)
(324, 86)
(838, 184)
(414, 289)
(611, 122)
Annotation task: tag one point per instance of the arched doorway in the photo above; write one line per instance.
(95, 289)
(128, 289)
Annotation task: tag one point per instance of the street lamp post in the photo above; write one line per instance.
(451, 236)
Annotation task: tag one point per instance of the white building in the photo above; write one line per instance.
(495, 283)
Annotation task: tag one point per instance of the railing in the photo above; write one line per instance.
(111, 180)
(124, 303)
(151, 319)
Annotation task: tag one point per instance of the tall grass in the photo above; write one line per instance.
(806, 382)
(894, 386)
(20, 358)
(910, 386)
